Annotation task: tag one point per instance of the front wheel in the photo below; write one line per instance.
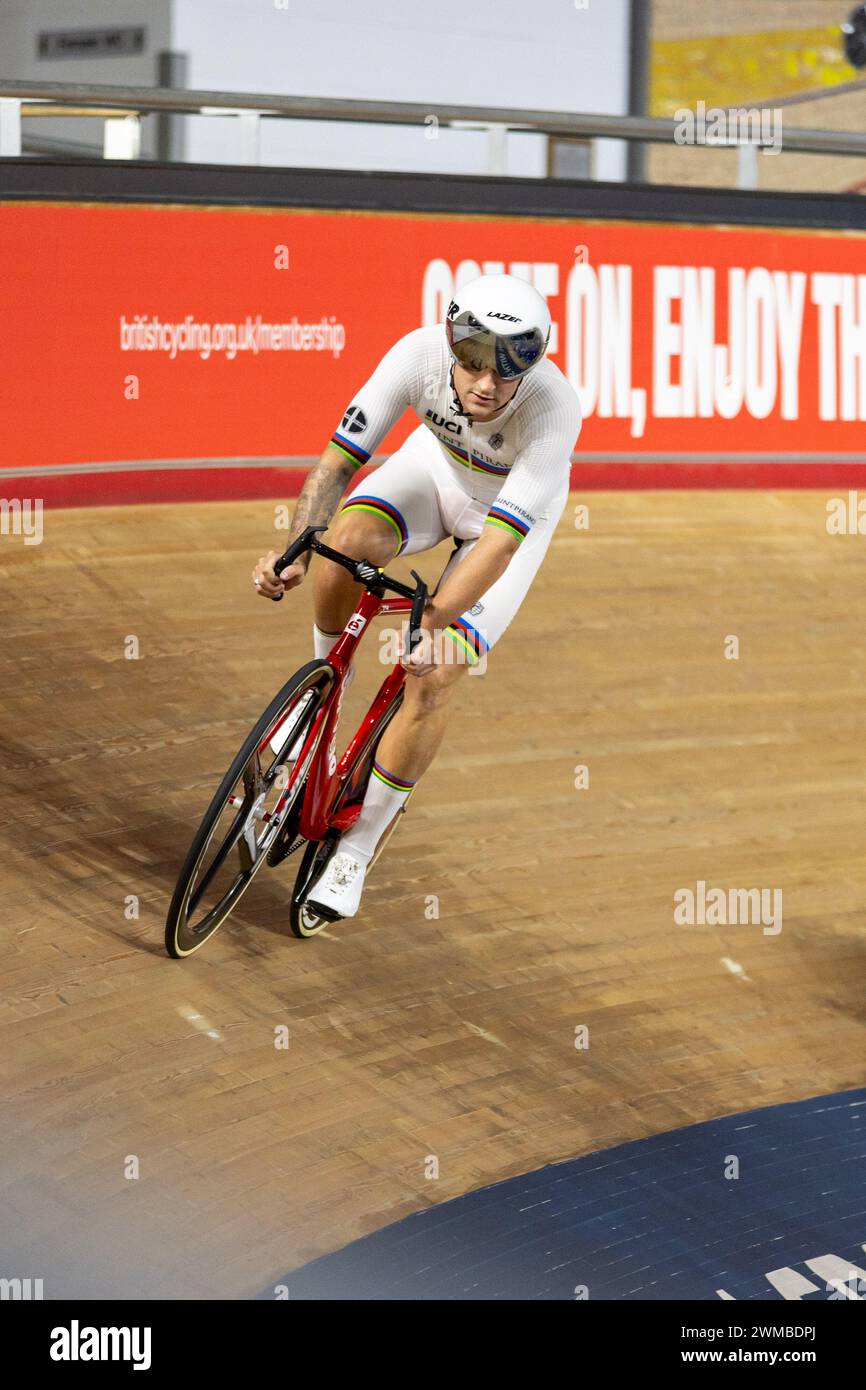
(250, 808)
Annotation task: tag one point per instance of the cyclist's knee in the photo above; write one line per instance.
(365, 537)
(424, 694)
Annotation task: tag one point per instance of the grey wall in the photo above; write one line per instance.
(550, 54)
(21, 21)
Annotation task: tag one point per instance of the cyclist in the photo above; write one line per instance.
(488, 467)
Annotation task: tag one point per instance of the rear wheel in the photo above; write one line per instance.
(253, 803)
(303, 919)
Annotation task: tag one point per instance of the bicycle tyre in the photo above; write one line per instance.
(181, 938)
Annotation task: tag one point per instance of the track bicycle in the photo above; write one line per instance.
(269, 805)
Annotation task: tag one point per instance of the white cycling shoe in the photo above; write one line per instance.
(338, 891)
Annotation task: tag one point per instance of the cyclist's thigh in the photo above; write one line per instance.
(404, 492)
(482, 625)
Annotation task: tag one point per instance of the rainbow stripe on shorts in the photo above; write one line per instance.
(364, 502)
(514, 525)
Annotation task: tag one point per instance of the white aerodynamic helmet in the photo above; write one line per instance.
(498, 321)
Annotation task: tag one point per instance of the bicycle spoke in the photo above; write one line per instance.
(247, 846)
(242, 832)
(219, 858)
(253, 778)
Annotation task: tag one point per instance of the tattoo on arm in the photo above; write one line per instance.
(319, 496)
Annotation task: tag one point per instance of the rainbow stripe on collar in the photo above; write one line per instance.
(514, 525)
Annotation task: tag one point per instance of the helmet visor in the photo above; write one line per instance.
(478, 348)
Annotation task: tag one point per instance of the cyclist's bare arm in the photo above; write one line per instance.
(319, 499)
(485, 563)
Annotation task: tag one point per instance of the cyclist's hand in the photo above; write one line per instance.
(268, 585)
(428, 653)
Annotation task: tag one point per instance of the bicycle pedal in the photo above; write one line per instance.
(327, 913)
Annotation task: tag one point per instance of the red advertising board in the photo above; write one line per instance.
(140, 340)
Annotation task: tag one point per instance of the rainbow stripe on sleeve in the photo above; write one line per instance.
(469, 638)
(514, 525)
(353, 452)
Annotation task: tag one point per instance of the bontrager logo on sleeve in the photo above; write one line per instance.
(76, 1343)
(521, 511)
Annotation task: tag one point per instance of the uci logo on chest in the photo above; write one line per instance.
(443, 424)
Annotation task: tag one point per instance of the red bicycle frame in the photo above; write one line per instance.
(326, 777)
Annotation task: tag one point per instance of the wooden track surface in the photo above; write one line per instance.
(413, 1036)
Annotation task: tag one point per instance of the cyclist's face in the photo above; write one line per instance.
(483, 393)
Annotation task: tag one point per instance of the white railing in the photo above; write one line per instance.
(121, 109)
